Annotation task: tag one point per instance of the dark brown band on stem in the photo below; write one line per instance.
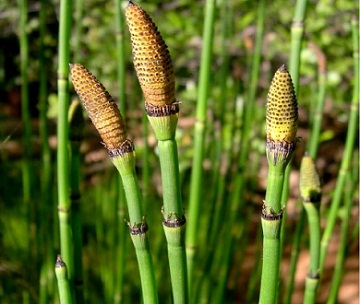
(314, 276)
(177, 222)
(313, 199)
(126, 147)
(59, 262)
(138, 229)
(166, 110)
(271, 216)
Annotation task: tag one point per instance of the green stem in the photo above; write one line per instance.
(63, 282)
(170, 178)
(271, 262)
(121, 247)
(196, 173)
(312, 279)
(175, 237)
(78, 17)
(146, 173)
(133, 196)
(173, 213)
(274, 188)
(297, 32)
(148, 283)
(271, 223)
(313, 213)
(341, 254)
(318, 116)
(64, 204)
(137, 224)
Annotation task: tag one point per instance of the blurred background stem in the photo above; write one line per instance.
(199, 138)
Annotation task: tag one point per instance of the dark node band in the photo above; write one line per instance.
(272, 216)
(138, 228)
(126, 147)
(177, 222)
(59, 262)
(166, 110)
(314, 276)
(314, 198)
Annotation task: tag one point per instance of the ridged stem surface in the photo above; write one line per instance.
(64, 204)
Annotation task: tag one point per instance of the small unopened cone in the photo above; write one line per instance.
(310, 188)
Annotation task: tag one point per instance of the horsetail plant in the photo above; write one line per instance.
(155, 72)
(281, 128)
(107, 119)
(310, 191)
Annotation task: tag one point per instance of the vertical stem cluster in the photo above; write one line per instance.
(353, 128)
(199, 135)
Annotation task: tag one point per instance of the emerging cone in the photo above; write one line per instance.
(152, 60)
(310, 187)
(281, 117)
(102, 110)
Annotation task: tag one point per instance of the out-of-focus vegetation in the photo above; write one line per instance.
(29, 237)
